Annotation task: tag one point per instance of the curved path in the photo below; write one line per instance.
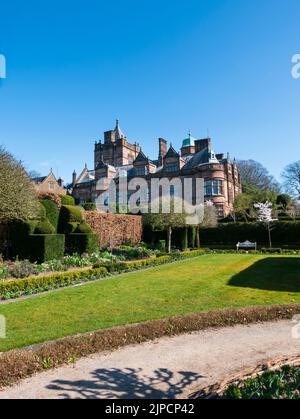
(168, 368)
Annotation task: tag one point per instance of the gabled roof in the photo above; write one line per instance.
(171, 153)
(141, 157)
(39, 179)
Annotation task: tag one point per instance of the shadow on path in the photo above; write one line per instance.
(126, 384)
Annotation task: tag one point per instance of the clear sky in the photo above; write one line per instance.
(162, 67)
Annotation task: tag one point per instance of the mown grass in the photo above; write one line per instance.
(206, 283)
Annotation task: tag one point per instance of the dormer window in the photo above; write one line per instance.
(171, 168)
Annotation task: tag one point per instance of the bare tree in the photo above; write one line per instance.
(255, 175)
(18, 200)
(291, 177)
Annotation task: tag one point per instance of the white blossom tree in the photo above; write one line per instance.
(265, 216)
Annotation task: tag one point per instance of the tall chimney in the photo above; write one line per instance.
(162, 150)
(202, 144)
(74, 178)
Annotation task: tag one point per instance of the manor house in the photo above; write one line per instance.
(116, 155)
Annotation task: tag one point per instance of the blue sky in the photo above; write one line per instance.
(162, 67)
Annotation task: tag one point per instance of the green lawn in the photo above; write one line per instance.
(205, 283)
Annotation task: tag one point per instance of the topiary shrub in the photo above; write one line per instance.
(69, 214)
(81, 243)
(67, 200)
(50, 195)
(44, 227)
(84, 228)
(70, 228)
(46, 247)
(42, 214)
(52, 212)
(90, 206)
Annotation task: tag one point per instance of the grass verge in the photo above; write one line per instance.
(19, 364)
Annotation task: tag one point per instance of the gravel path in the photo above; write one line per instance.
(168, 368)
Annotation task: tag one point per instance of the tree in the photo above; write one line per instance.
(264, 215)
(210, 220)
(255, 175)
(291, 177)
(17, 196)
(167, 221)
(284, 202)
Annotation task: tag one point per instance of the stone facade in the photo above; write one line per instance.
(116, 155)
(49, 184)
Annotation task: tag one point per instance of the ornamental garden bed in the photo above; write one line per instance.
(276, 379)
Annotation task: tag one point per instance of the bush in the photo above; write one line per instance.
(50, 196)
(284, 233)
(67, 200)
(69, 214)
(90, 206)
(52, 212)
(23, 269)
(84, 228)
(17, 288)
(44, 227)
(42, 248)
(81, 243)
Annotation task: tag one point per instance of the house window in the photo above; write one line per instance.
(213, 187)
(171, 168)
(51, 186)
(140, 171)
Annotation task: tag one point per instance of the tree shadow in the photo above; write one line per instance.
(127, 384)
(270, 274)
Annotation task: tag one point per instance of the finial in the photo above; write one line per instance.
(117, 122)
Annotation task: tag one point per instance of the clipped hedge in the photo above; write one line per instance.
(67, 200)
(34, 285)
(44, 247)
(285, 233)
(81, 243)
(69, 214)
(44, 227)
(52, 212)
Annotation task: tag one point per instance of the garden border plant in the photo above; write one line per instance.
(19, 364)
(34, 285)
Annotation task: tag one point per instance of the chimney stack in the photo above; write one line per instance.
(162, 150)
(202, 144)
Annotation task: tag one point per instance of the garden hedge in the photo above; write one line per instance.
(81, 243)
(69, 214)
(44, 247)
(52, 212)
(34, 285)
(67, 200)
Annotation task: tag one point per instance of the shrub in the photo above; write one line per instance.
(84, 228)
(44, 227)
(23, 269)
(81, 243)
(162, 245)
(51, 196)
(90, 206)
(17, 288)
(52, 212)
(69, 214)
(67, 200)
(46, 247)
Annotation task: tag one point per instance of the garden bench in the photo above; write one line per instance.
(246, 245)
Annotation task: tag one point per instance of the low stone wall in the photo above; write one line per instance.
(115, 229)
